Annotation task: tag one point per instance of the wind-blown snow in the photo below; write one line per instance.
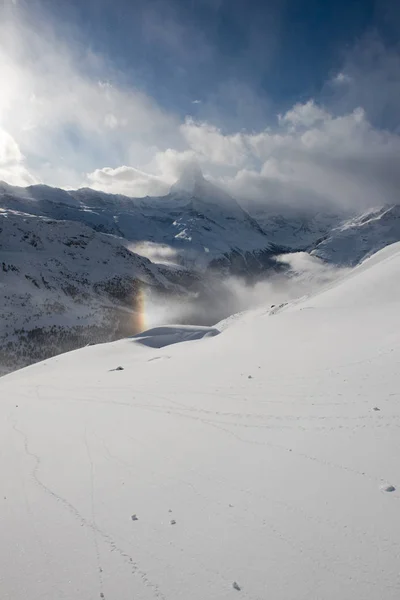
(259, 463)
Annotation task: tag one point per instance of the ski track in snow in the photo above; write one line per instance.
(91, 525)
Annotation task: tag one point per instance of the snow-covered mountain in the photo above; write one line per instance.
(69, 275)
(296, 229)
(205, 226)
(63, 284)
(357, 238)
(73, 263)
(258, 463)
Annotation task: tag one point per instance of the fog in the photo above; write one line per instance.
(301, 274)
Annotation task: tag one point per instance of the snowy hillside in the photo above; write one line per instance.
(258, 463)
(63, 285)
(361, 236)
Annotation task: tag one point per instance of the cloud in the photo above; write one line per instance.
(370, 77)
(68, 118)
(169, 166)
(66, 106)
(305, 115)
(12, 167)
(304, 274)
(9, 149)
(311, 157)
(335, 160)
(210, 144)
(341, 79)
(157, 253)
(128, 181)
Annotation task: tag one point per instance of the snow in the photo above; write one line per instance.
(281, 485)
(361, 236)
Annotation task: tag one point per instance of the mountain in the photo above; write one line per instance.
(70, 274)
(63, 285)
(296, 229)
(357, 238)
(204, 226)
(258, 463)
(342, 238)
(76, 265)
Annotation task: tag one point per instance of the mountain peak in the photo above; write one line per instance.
(190, 179)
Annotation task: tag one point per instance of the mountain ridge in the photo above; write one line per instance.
(208, 236)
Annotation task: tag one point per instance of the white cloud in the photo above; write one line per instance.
(341, 160)
(128, 181)
(12, 168)
(171, 164)
(341, 78)
(64, 105)
(9, 149)
(325, 159)
(305, 115)
(66, 119)
(210, 144)
(370, 78)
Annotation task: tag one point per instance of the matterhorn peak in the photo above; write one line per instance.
(190, 179)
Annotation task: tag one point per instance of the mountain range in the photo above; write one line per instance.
(77, 265)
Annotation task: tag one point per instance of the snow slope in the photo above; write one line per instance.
(356, 238)
(263, 456)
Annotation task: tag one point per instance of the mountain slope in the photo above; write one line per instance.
(63, 285)
(357, 238)
(266, 456)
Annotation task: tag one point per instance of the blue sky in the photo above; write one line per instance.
(121, 95)
(278, 52)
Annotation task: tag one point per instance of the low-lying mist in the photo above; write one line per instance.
(301, 274)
